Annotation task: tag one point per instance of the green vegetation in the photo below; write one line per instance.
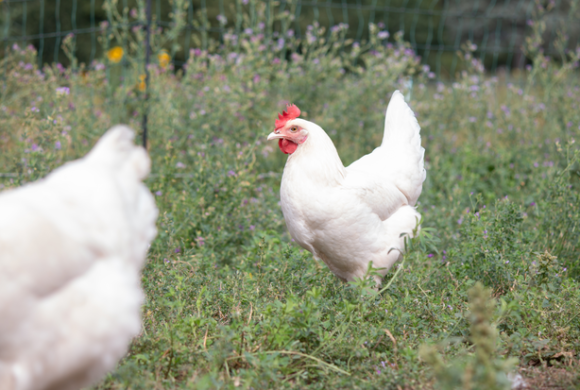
(232, 302)
(435, 28)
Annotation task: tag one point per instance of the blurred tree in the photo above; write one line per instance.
(500, 28)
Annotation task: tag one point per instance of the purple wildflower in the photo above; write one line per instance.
(280, 43)
(222, 19)
(383, 34)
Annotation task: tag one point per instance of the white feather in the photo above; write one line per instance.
(72, 246)
(348, 217)
(395, 168)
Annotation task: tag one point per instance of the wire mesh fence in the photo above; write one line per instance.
(83, 34)
(436, 29)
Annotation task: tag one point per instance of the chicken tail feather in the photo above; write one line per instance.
(402, 145)
(401, 126)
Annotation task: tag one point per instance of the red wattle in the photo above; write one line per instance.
(287, 147)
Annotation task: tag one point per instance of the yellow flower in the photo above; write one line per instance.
(164, 59)
(115, 54)
(142, 86)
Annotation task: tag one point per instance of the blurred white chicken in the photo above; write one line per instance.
(350, 216)
(71, 249)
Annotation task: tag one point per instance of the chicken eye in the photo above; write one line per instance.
(293, 129)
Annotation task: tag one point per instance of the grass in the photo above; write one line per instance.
(232, 302)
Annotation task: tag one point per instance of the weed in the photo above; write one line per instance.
(231, 301)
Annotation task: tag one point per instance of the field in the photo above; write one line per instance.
(233, 303)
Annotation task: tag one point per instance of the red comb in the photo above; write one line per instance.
(292, 112)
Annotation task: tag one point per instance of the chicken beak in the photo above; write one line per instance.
(274, 135)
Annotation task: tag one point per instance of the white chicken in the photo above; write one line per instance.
(350, 216)
(71, 249)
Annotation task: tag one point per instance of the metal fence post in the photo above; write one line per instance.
(147, 55)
